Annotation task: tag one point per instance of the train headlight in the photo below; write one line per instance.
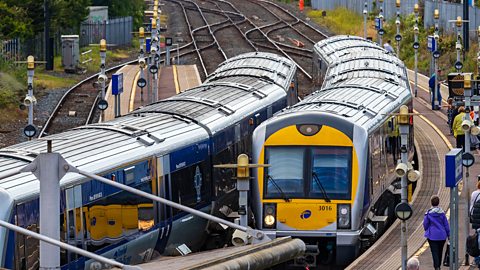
(269, 213)
(343, 216)
(308, 130)
(269, 220)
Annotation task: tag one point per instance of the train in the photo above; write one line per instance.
(332, 156)
(167, 148)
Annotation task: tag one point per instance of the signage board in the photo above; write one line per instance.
(148, 44)
(453, 167)
(431, 44)
(378, 23)
(117, 84)
(455, 84)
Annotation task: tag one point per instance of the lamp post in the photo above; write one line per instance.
(458, 45)
(380, 31)
(402, 171)
(416, 46)
(154, 51)
(436, 55)
(30, 130)
(102, 78)
(141, 61)
(365, 12)
(398, 37)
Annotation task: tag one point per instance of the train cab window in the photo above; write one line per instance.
(129, 175)
(331, 172)
(284, 177)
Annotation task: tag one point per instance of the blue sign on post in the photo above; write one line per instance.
(378, 23)
(453, 167)
(148, 44)
(431, 43)
(117, 84)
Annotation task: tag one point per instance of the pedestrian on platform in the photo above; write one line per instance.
(437, 230)
(388, 47)
(451, 113)
(475, 214)
(431, 85)
(458, 132)
(413, 264)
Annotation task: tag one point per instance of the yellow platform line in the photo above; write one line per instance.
(134, 90)
(450, 146)
(175, 79)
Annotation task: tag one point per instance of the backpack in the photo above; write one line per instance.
(472, 245)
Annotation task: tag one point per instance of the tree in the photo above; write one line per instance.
(68, 13)
(122, 8)
(13, 22)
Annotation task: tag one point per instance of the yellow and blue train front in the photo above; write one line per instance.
(313, 188)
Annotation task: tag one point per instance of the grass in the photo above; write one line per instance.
(341, 21)
(344, 21)
(13, 79)
(49, 81)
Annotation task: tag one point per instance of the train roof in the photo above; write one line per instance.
(364, 102)
(367, 63)
(159, 128)
(342, 46)
(363, 86)
(266, 66)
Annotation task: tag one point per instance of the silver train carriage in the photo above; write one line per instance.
(167, 148)
(332, 156)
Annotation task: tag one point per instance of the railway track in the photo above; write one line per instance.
(217, 30)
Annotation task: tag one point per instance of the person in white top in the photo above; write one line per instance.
(475, 195)
(388, 47)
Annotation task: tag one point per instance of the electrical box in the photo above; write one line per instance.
(70, 53)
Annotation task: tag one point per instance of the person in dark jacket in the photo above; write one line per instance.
(437, 230)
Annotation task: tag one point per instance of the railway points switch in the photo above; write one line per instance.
(70, 53)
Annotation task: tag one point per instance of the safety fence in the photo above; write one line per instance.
(116, 31)
(448, 11)
(389, 8)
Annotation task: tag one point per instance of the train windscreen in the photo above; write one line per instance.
(308, 172)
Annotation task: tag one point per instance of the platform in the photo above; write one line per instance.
(433, 139)
(172, 80)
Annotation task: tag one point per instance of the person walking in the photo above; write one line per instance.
(413, 264)
(388, 47)
(437, 230)
(451, 113)
(458, 132)
(431, 85)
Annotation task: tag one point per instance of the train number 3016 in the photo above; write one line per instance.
(325, 208)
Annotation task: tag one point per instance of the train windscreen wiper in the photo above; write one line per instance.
(284, 196)
(317, 180)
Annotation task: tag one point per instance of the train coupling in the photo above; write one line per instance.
(309, 258)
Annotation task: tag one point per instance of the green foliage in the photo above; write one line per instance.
(122, 8)
(407, 53)
(69, 13)
(12, 83)
(340, 20)
(13, 22)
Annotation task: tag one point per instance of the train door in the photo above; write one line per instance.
(74, 219)
(164, 212)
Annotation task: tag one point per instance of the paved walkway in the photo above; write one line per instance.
(439, 119)
(172, 80)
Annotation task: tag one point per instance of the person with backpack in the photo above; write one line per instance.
(437, 230)
(472, 240)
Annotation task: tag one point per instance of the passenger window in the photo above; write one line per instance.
(111, 219)
(190, 186)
